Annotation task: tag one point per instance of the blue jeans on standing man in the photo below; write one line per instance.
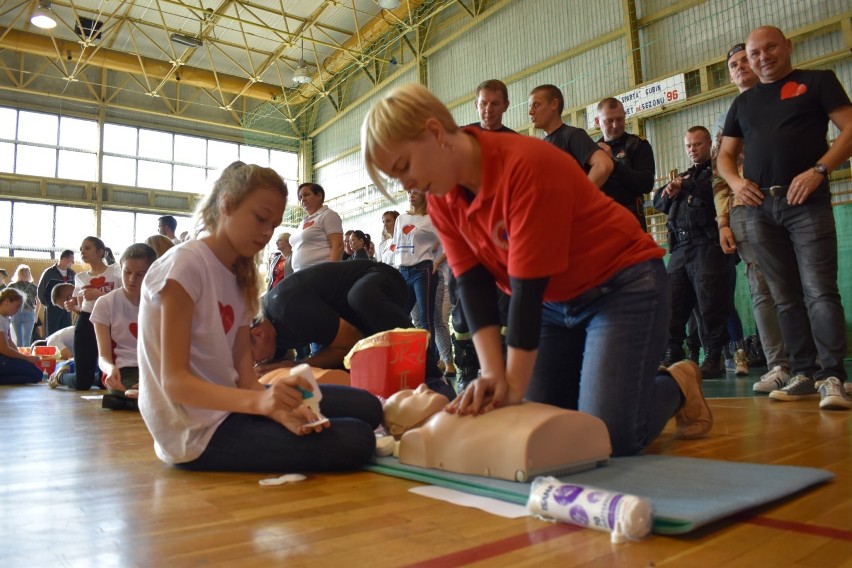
(599, 352)
(796, 247)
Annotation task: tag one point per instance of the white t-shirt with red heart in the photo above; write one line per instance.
(181, 432)
(311, 245)
(414, 240)
(116, 312)
(106, 282)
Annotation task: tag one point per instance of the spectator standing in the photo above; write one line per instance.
(321, 236)
(633, 159)
(24, 320)
(782, 125)
(56, 317)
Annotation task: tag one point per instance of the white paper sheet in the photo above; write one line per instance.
(487, 504)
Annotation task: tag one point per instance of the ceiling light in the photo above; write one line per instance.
(42, 16)
(388, 4)
(186, 40)
(301, 75)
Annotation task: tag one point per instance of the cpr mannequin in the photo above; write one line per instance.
(515, 443)
(323, 376)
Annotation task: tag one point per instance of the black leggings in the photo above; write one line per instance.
(87, 373)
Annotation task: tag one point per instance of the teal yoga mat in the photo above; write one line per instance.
(686, 493)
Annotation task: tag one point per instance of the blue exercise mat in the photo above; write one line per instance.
(686, 493)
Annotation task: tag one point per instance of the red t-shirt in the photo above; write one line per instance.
(538, 215)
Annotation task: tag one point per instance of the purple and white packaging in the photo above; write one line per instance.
(624, 516)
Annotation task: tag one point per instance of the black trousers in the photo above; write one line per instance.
(699, 277)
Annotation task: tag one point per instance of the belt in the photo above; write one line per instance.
(776, 190)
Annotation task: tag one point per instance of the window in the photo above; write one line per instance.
(155, 144)
(117, 230)
(190, 179)
(254, 155)
(32, 229)
(120, 140)
(78, 134)
(8, 123)
(38, 128)
(7, 157)
(77, 165)
(121, 171)
(154, 175)
(286, 164)
(73, 224)
(220, 154)
(190, 150)
(36, 161)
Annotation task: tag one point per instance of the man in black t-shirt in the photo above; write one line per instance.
(491, 102)
(546, 104)
(334, 304)
(633, 159)
(782, 122)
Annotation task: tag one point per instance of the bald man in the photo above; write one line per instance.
(782, 124)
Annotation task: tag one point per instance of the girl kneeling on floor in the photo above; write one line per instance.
(199, 395)
(115, 317)
(15, 367)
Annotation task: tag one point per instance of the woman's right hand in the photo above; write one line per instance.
(482, 395)
(282, 402)
(113, 380)
(34, 359)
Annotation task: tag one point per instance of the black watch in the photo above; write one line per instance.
(821, 169)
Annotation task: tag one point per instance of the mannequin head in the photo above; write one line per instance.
(409, 409)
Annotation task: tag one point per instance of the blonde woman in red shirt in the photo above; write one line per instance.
(590, 301)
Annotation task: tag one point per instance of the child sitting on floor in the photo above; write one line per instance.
(199, 395)
(115, 319)
(15, 367)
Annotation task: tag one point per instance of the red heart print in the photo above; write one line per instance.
(308, 224)
(392, 248)
(793, 89)
(134, 329)
(96, 282)
(227, 315)
(407, 229)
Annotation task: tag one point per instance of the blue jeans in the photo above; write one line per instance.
(599, 353)
(422, 288)
(796, 247)
(246, 442)
(22, 327)
(15, 371)
(765, 316)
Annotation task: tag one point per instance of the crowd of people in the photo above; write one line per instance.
(527, 260)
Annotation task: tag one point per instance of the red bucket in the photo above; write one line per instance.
(389, 361)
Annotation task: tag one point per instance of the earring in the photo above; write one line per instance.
(445, 146)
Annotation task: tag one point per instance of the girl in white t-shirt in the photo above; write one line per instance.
(198, 391)
(15, 367)
(115, 318)
(99, 280)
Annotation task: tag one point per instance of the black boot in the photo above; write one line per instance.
(711, 367)
(673, 354)
(466, 361)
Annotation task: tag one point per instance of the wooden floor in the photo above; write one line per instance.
(81, 487)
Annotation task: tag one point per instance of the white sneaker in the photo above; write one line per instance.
(847, 386)
(832, 395)
(775, 379)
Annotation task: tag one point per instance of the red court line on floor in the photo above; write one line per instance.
(816, 530)
(498, 547)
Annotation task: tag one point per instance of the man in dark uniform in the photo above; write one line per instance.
(546, 104)
(335, 305)
(61, 272)
(782, 125)
(633, 173)
(698, 269)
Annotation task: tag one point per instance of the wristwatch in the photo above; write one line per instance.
(821, 169)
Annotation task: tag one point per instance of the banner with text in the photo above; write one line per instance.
(651, 96)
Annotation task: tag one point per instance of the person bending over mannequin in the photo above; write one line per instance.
(334, 305)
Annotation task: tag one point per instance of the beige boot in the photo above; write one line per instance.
(694, 419)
